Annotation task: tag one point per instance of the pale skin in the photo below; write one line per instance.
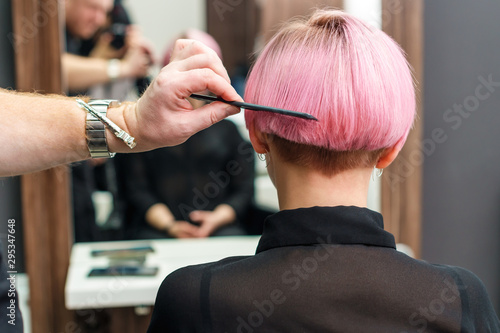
(39, 132)
(83, 19)
(303, 187)
(160, 217)
(85, 72)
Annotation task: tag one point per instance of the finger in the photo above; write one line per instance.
(197, 215)
(184, 235)
(185, 48)
(132, 41)
(202, 79)
(188, 227)
(204, 61)
(209, 115)
(203, 57)
(179, 46)
(187, 230)
(106, 38)
(202, 235)
(148, 47)
(194, 216)
(190, 232)
(133, 29)
(204, 232)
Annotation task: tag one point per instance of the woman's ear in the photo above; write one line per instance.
(258, 139)
(387, 157)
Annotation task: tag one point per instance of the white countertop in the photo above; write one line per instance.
(83, 292)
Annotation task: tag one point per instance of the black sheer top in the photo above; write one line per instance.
(323, 269)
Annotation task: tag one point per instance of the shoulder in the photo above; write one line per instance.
(178, 302)
(464, 279)
(478, 313)
(183, 285)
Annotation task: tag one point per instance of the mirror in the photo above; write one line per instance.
(118, 193)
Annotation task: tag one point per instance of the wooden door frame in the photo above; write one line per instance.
(401, 194)
(37, 37)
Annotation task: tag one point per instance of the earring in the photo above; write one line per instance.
(377, 173)
(261, 157)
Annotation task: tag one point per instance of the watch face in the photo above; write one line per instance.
(106, 102)
(114, 104)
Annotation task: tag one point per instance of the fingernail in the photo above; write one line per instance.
(232, 109)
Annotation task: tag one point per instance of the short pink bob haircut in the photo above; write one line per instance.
(351, 76)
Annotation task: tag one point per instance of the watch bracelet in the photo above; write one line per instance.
(96, 131)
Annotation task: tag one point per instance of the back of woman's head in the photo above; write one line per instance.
(352, 77)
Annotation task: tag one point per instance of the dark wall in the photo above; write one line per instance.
(6, 51)
(10, 199)
(461, 197)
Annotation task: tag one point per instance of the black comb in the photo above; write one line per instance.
(255, 107)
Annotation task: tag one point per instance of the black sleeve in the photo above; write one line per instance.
(177, 306)
(241, 188)
(478, 314)
(137, 187)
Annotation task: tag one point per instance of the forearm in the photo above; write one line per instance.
(83, 72)
(38, 132)
(211, 221)
(225, 215)
(25, 144)
(160, 217)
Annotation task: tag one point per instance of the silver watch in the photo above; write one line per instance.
(96, 130)
(114, 69)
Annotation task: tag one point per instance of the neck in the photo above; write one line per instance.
(300, 187)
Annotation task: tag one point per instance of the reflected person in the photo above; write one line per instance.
(201, 188)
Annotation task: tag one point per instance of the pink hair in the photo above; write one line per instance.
(352, 77)
(197, 35)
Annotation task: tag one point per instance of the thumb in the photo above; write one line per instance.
(106, 38)
(196, 215)
(210, 114)
(204, 231)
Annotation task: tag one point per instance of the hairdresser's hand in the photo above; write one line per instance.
(163, 116)
(135, 39)
(104, 50)
(136, 63)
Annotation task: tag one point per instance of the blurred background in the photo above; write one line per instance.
(441, 198)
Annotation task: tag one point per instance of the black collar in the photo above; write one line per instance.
(325, 225)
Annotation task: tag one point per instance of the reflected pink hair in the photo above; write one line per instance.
(197, 35)
(352, 77)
